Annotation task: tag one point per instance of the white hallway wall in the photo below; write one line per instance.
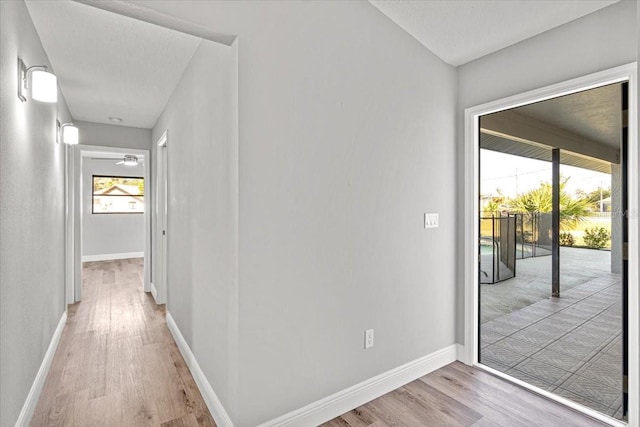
(202, 222)
(345, 139)
(601, 40)
(109, 234)
(32, 221)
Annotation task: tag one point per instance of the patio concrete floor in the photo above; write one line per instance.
(572, 345)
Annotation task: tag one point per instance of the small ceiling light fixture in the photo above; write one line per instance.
(44, 84)
(69, 134)
(115, 119)
(128, 160)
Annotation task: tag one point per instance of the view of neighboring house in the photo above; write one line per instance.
(118, 198)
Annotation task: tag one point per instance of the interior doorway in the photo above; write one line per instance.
(517, 335)
(101, 190)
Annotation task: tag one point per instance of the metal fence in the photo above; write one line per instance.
(507, 237)
(533, 235)
(497, 248)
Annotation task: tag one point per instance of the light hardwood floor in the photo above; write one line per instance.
(459, 395)
(117, 363)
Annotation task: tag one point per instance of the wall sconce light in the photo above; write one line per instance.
(69, 134)
(44, 84)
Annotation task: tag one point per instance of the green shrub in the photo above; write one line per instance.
(597, 237)
(566, 239)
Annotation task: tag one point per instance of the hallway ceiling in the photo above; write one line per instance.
(109, 65)
(464, 30)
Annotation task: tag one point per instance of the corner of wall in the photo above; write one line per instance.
(233, 330)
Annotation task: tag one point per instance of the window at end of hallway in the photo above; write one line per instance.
(117, 195)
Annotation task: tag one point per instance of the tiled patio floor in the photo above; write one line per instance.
(533, 280)
(570, 346)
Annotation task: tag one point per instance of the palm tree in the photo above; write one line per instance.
(572, 211)
(494, 204)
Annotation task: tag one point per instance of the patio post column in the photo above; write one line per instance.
(555, 223)
(616, 218)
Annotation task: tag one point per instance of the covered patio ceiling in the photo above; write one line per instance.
(586, 127)
(541, 152)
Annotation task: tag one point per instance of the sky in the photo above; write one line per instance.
(516, 175)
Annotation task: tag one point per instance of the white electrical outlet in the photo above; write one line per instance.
(431, 220)
(368, 338)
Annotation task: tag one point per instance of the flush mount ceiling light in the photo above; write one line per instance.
(115, 119)
(44, 84)
(69, 134)
(128, 160)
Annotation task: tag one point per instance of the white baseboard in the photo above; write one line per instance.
(154, 293)
(38, 383)
(218, 412)
(343, 401)
(109, 257)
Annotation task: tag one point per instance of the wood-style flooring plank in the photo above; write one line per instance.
(449, 410)
(459, 395)
(360, 417)
(528, 404)
(117, 363)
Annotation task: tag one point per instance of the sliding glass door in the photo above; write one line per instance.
(552, 270)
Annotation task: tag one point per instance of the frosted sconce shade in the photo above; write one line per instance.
(44, 86)
(70, 134)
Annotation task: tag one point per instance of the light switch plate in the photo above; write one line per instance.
(431, 220)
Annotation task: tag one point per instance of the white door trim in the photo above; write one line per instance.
(74, 217)
(160, 258)
(471, 183)
(69, 250)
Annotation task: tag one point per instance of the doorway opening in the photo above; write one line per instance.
(111, 219)
(547, 277)
(555, 322)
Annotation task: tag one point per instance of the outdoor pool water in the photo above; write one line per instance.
(486, 249)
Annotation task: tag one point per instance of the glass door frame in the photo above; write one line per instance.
(469, 352)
